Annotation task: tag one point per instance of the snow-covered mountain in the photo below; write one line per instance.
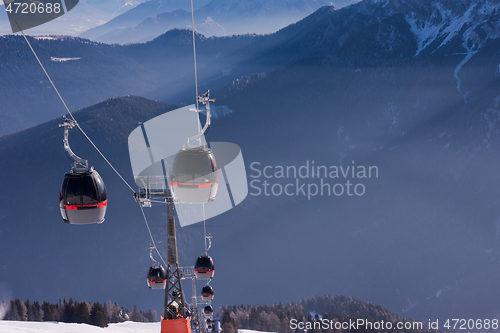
(433, 23)
(216, 18)
(436, 23)
(439, 22)
(385, 30)
(140, 13)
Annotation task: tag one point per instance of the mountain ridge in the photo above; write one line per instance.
(217, 17)
(363, 34)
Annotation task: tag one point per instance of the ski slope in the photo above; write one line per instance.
(53, 327)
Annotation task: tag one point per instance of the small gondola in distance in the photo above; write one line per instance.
(208, 310)
(207, 293)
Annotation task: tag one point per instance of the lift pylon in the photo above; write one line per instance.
(176, 314)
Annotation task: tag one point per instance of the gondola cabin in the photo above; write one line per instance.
(194, 177)
(83, 198)
(204, 267)
(207, 293)
(208, 311)
(157, 277)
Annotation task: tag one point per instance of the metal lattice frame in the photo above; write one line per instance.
(175, 303)
(196, 323)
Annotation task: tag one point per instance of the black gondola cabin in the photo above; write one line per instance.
(207, 293)
(208, 310)
(157, 277)
(83, 198)
(204, 267)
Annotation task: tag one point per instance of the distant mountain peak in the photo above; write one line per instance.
(212, 18)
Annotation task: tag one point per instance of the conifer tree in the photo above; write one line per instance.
(69, 312)
(254, 319)
(97, 315)
(22, 312)
(151, 315)
(82, 314)
(29, 311)
(135, 315)
(107, 310)
(228, 328)
(37, 311)
(115, 317)
(47, 311)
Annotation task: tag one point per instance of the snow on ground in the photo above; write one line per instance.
(53, 327)
(63, 59)
(44, 38)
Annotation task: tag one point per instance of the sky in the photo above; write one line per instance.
(87, 14)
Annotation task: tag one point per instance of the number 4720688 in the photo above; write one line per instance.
(471, 324)
(33, 8)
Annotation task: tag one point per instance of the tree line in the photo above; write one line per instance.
(277, 317)
(74, 312)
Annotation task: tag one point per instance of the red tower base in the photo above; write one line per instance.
(175, 326)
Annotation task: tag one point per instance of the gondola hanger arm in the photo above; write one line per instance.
(68, 124)
(195, 140)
